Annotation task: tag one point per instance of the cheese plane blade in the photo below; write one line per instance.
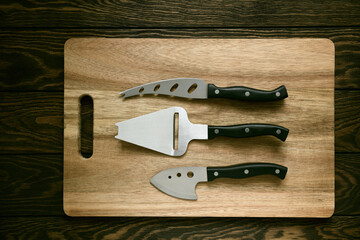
(156, 131)
(181, 182)
(199, 89)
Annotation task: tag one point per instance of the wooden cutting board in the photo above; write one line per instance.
(115, 180)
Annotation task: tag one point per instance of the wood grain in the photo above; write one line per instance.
(31, 122)
(347, 184)
(31, 185)
(347, 124)
(38, 122)
(125, 63)
(33, 60)
(155, 14)
(179, 228)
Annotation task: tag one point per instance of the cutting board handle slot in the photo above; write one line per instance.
(86, 125)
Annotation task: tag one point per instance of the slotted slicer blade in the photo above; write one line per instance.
(156, 131)
(180, 87)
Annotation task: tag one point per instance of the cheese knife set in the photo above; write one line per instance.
(149, 146)
(169, 131)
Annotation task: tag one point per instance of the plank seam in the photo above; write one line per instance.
(175, 28)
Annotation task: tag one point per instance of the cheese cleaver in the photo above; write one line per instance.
(156, 131)
(198, 88)
(181, 182)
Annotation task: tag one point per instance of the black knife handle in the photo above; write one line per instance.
(245, 93)
(246, 170)
(248, 130)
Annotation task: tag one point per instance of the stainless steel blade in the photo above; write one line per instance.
(156, 131)
(180, 182)
(173, 87)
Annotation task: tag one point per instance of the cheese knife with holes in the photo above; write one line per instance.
(181, 182)
(157, 131)
(198, 88)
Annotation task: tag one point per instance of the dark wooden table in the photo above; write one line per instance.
(32, 38)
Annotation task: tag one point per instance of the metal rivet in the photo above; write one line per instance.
(217, 91)
(246, 171)
(278, 131)
(247, 94)
(216, 131)
(216, 174)
(247, 130)
(277, 171)
(277, 94)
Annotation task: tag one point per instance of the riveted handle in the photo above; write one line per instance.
(245, 93)
(246, 170)
(248, 130)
